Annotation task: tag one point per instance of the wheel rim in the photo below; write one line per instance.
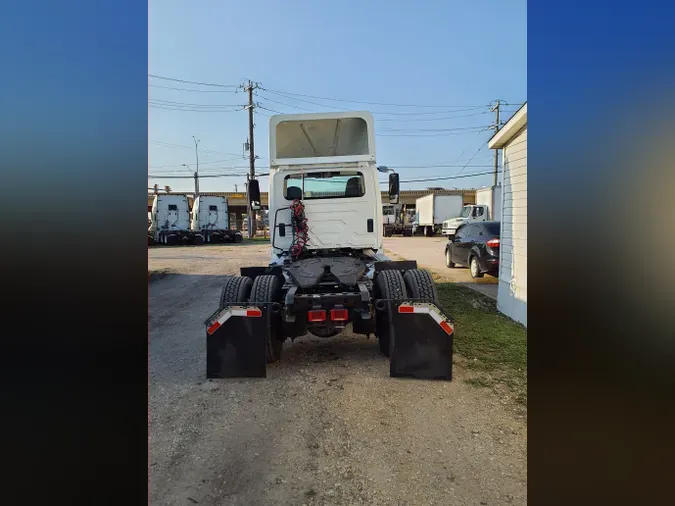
(474, 267)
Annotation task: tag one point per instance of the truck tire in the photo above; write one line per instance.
(235, 290)
(267, 288)
(198, 240)
(420, 285)
(428, 231)
(388, 284)
(238, 238)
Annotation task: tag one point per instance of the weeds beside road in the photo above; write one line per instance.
(494, 346)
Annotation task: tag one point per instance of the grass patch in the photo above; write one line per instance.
(495, 346)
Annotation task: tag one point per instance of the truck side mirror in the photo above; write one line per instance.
(254, 194)
(393, 188)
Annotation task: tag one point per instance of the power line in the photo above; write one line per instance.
(435, 166)
(171, 176)
(202, 163)
(183, 109)
(282, 103)
(446, 178)
(413, 120)
(469, 108)
(438, 134)
(190, 89)
(270, 110)
(456, 129)
(184, 104)
(368, 103)
(406, 120)
(171, 145)
(193, 82)
(482, 146)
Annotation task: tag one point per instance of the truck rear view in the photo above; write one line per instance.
(170, 220)
(327, 269)
(210, 221)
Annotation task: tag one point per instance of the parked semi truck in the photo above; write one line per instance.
(486, 208)
(433, 209)
(327, 268)
(397, 220)
(210, 221)
(170, 220)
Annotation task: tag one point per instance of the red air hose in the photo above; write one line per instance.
(300, 228)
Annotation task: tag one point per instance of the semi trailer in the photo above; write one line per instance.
(327, 269)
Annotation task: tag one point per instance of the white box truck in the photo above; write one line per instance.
(433, 209)
(170, 220)
(210, 221)
(486, 208)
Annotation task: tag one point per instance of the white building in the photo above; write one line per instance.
(512, 140)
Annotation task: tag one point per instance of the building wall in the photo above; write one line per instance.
(512, 291)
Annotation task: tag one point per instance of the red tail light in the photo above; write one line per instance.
(339, 315)
(493, 243)
(316, 315)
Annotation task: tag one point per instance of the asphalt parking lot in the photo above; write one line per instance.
(429, 253)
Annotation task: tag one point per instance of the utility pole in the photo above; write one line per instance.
(251, 155)
(197, 171)
(496, 110)
(235, 188)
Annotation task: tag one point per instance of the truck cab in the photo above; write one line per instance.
(328, 162)
(470, 213)
(170, 220)
(210, 221)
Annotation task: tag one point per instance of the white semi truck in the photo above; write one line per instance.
(396, 219)
(486, 208)
(170, 220)
(433, 209)
(210, 221)
(327, 269)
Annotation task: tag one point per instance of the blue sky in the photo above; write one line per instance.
(454, 56)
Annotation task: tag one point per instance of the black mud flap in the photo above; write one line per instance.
(421, 339)
(236, 340)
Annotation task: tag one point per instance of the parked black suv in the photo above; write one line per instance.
(475, 245)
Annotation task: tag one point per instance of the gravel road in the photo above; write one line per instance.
(327, 426)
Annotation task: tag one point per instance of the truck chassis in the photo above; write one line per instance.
(321, 294)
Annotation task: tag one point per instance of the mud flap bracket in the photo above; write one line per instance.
(421, 339)
(236, 341)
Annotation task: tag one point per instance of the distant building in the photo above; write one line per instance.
(512, 291)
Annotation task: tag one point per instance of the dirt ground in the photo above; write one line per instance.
(327, 426)
(430, 254)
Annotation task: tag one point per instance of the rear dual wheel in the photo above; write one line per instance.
(389, 285)
(420, 285)
(264, 289)
(267, 288)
